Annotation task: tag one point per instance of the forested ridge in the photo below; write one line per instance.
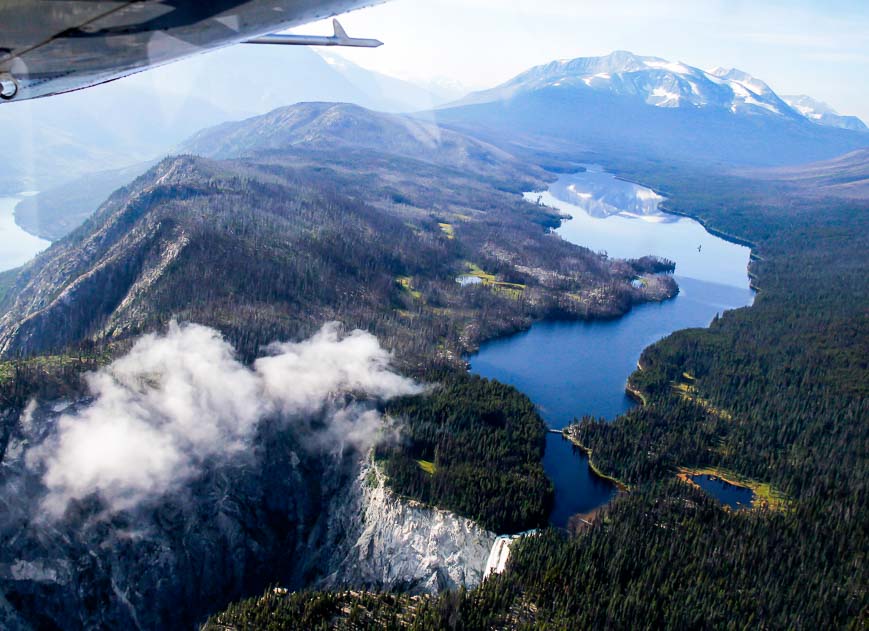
(287, 243)
(776, 393)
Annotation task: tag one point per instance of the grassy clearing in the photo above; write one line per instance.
(513, 290)
(447, 229)
(427, 466)
(52, 364)
(6, 371)
(689, 393)
(406, 283)
(765, 496)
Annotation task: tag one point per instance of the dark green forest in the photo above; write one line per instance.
(482, 443)
(776, 393)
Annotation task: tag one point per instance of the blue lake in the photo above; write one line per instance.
(736, 497)
(570, 369)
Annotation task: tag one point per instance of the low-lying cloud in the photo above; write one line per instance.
(181, 398)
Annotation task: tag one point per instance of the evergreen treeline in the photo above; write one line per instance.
(473, 446)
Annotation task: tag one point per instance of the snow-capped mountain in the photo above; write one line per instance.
(625, 104)
(822, 114)
(654, 80)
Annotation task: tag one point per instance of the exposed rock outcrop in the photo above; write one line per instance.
(402, 544)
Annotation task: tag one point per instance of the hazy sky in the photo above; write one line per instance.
(820, 48)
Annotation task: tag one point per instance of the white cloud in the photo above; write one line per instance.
(179, 399)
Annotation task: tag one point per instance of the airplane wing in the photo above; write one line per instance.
(53, 46)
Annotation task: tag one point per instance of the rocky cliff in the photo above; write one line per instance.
(400, 544)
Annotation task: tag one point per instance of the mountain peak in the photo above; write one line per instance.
(657, 81)
(822, 113)
(345, 127)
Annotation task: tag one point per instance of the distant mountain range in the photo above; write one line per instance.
(55, 140)
(653, 80)
(620, 105)
(663, 83)
(647, 105)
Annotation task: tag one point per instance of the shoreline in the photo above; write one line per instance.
(621, 486)
(633, 392)
(18, 246)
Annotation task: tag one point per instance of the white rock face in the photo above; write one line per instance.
(499, 555)
(403, 545)
(500, 552)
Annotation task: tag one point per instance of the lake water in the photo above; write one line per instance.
(16, 246)
(570, 369)
(736, 497)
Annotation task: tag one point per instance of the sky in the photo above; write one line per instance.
(819, 48)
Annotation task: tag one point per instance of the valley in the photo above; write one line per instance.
(795, 393)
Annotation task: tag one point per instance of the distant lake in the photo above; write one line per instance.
(570, 369)
(16, 246)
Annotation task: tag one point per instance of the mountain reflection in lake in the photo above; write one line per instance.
(570, 369)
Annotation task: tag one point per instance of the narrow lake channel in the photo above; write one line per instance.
(16, 246)
(570, 369)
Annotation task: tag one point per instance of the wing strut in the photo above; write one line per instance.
(340, 38)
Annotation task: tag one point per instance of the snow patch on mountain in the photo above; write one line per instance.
(822, 114)
(658, 82)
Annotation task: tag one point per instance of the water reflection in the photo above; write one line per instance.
(640, 227)
(601, 195)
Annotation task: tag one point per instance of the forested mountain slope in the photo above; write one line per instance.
(844, 176)
(276, 243)
(342, 126)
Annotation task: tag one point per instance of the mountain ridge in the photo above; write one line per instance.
(655, 80)
(647, 107)
(822, 113)
(663, 83)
